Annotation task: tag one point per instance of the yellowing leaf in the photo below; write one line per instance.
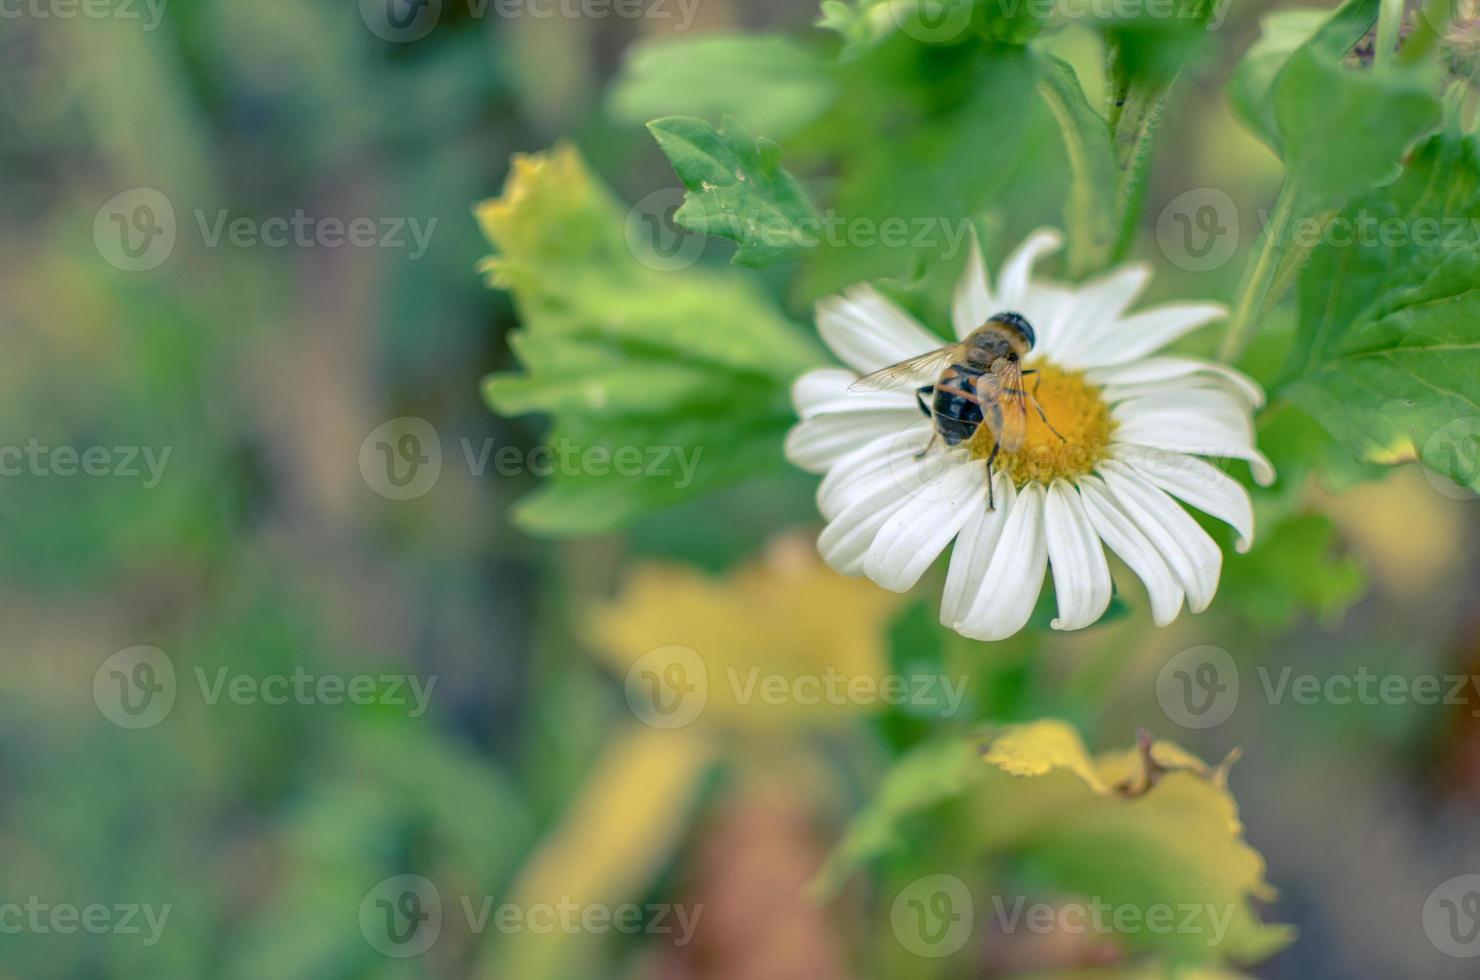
(780, 642)
(1143, 828)
(1039, 747)
(687, 368)
(615, 837)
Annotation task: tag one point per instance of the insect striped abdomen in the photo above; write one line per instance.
(956, 415)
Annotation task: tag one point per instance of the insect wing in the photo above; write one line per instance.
(1005, 404)
(912, 373)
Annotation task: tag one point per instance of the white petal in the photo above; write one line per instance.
(1195, 482)
(1191, 554)
(1136, 336)
(844, 543)
(826, 390)
(818, 443)
(1126, 540)
(972, 303)
(1152, 370)
(1049, 307)
(1081, 576)
(1012, 288)
(973, 551)
(867, 331)
(857, 473)
(1093, 306)
(1009, 589)
(919, 531)
(1198, 421)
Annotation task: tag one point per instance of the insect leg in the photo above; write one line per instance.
(920, 394)
(1039, 409)
(934, 435)
(991, 493)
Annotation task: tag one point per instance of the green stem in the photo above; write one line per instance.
(1389, 22)
(1134, 135)
(1255, 292)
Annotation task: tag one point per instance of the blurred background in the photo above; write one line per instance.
(251, 677)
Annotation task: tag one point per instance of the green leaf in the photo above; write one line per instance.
(1283, 34)
(683, 374)
(1251, 88)
(918, 159)
(928, 775)
(867, 23)
(769, 83)
(1341, 128)
(1295, 567)
(1388, 350)
(1345, 130)
(1089, 212)
(738, 189)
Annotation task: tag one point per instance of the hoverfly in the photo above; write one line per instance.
(977, 381)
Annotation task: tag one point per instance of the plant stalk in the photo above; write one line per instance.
(1255, 291)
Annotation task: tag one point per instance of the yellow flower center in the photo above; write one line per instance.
(1073, 407)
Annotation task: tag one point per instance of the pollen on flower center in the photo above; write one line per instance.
(1073, 407)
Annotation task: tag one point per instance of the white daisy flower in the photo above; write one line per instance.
(1120, 436)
